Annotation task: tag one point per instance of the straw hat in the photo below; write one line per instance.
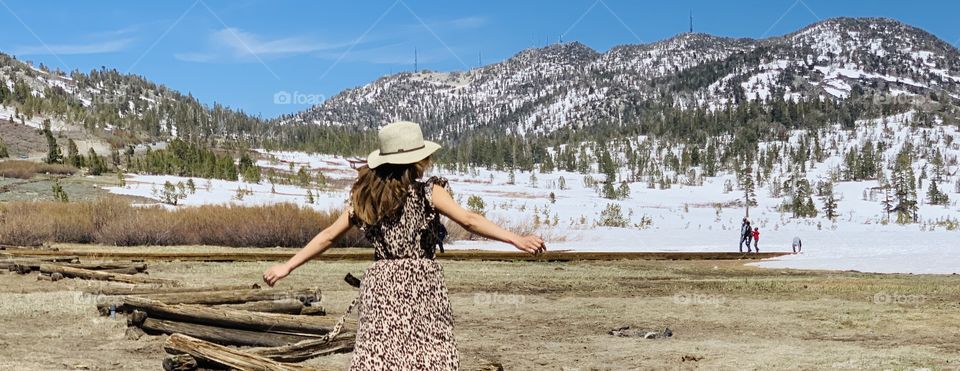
(401, 143)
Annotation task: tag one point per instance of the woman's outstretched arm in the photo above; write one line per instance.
(320, 243)
(476, 223)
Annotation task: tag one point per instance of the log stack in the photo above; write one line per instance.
(273, 328)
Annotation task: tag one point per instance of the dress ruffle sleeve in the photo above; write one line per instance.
(428, 189)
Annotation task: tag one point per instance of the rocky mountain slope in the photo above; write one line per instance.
(571, 85)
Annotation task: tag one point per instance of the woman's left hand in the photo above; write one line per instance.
(275, 273)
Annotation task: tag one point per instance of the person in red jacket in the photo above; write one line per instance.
(756, 239)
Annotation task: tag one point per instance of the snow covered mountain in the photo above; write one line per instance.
(570, 85)
(113, 105)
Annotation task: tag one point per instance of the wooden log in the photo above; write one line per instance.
(304, 350)
(21, 268)
(136, 318)
(232, 318)
(139, 267)
(179, 362)
(288, 306)
(236, 296)
(155, 289)
(313, 310)
(103, 276)
(34, 263)
(219, 297)
(199, 349)
(220, 335)
(128, 270)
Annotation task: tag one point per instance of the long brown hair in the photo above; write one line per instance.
(380, 193)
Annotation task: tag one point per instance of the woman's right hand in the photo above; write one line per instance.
(275, 273)
(530, 244)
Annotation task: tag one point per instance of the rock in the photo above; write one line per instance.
(690, 358)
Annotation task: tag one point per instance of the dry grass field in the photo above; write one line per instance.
(556, 316)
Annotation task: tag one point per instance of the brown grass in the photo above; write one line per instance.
(27, 169)
(114, 222)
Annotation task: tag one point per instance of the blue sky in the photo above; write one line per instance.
(243, 53)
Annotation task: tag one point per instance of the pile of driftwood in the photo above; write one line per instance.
(272, 328)
(280, 327)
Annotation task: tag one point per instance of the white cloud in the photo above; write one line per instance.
(242, 43)
(74, 49)
(236, 44)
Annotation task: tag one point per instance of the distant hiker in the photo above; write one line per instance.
(745, 234)
(797, 245)
(756, 239)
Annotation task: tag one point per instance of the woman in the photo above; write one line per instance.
(405, 320)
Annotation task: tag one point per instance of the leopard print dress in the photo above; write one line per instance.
(405, 321)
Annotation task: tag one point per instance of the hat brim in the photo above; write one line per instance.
(376, 159)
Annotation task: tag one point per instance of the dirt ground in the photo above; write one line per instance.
(556, 316)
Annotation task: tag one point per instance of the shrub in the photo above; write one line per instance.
(476, 204)
(27, 169)
(611, 216)
(114, 222)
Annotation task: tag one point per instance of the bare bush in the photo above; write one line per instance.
(114, 222)
(27, 169)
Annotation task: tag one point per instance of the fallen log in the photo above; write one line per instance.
(179, 362)
(103, 276)
(34, 263)
(288, 306)
(236, 296)
(220, 335)
(128, 270)
(232, 318)
(313, 310)
(304, 350)
(155, 289)
(219, 354)
(139, 267)
(21, 268)
(218, 297)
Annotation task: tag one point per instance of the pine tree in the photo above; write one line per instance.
(310, 199)
(73, 155)
(829, 201)
(54, 156)
(623, 192)
(904, 188)
(938, 166)
(3, 149)
(95, 163)
(935, 196)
